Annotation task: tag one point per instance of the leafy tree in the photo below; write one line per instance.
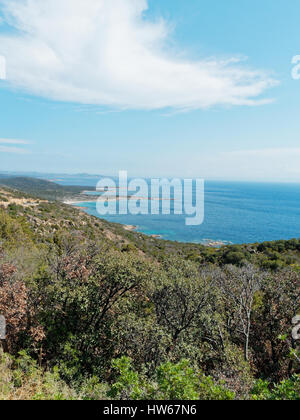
(181, 299)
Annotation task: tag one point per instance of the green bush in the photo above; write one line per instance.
(288, 389)
(22, 379)
(170, 382)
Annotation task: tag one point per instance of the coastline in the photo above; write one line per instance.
(130, 228)
(90, 199)
(210, 243)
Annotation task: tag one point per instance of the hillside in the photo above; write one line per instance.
(43, 188)
(270, 255)
(118, 314)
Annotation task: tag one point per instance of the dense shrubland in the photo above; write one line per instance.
(96, 312)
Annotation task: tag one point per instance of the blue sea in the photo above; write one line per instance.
(235, 212)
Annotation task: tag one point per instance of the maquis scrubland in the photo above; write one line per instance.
(97, 312)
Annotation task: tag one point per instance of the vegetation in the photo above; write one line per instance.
(42, 188)
(95, 312)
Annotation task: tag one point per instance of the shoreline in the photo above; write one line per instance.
(130, 228)
(210, 243)
(89, 199)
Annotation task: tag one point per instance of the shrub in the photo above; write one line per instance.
(288, 389)
(170, 382)
(22, 379)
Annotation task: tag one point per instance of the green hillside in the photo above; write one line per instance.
(94, 311)
(43, 188)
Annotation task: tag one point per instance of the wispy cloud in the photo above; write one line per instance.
(269, 164)
(10, 149)
(13, 141)
(104, 52)
(17, 150)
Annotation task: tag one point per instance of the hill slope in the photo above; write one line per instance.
(43, 188)
(99, 305)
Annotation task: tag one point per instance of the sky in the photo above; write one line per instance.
(198, 88)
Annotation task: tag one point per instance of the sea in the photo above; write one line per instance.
(235, 213)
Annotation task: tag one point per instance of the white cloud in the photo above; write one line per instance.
(104, 52)
(10, 149)
(13, 141)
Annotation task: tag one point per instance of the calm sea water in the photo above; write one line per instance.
(234, 212)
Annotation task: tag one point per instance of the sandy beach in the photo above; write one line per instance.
(130, 228)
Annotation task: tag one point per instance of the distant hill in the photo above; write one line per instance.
(43, 188)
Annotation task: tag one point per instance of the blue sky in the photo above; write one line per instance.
(148, 91)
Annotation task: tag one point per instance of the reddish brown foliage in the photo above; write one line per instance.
(16, 308)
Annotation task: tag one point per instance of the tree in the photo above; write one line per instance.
(181, 298)
(87, 292)
(278, 304)
(17, 309)
(239, 287)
